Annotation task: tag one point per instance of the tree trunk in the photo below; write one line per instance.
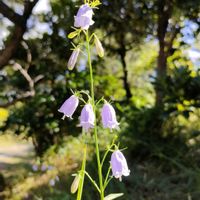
(164, 14)
(161, 72)
(122, 54)
(2, 183)
(7, 53)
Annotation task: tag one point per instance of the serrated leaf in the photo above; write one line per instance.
(72, 34)
(113, 196)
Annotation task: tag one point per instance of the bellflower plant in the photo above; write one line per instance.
(88, 117)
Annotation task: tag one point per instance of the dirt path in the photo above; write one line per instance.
(14, 152)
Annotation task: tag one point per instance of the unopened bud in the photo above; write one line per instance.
(99, 47)
(75, 184)
(73, 59)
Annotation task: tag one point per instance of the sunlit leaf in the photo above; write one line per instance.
(3, 114)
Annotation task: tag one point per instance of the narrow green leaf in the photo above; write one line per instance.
(113, 196)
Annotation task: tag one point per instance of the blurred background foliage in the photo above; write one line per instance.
(151, 73)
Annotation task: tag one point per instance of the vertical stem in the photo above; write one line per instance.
(95, 125)
(82, 174)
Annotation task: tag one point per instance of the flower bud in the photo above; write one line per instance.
(73, 59)
(99, 47)
(119, 165)
(69, 106)
(113, 196)
(75, 184)
(109, 117)
(87, 117)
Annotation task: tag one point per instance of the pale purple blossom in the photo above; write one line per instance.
(35, 168)
(108, 116)
(83, 19)
(50, 167)
(52, 182)
(119, 165)
(69, 106)
(87, 117)
(43, 167)
(73, 59)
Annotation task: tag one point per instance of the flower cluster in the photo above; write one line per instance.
(87, 117)
(42, 168)
(83, 20)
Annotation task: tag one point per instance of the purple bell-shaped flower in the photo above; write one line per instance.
(69, 106)
(108, 116)
(119, 165)
(83, 19)
(87, 117)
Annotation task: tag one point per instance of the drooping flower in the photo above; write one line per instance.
(99, 47)
(119, 165)
(73, 59)
(87, 117)
(83, 19)
(69, 106)
(108, 116)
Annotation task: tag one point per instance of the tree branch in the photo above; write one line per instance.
(10, 14)
(169, 43)
(20, 28)
(28, 7)
(7, 53)
(31, 81)
(25, 74)
(21, 97)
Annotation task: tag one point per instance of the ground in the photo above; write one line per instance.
(16, 156)
(14, 152)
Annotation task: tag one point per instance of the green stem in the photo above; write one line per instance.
(82, 174)
(106, 179)
(106, 153)
(92, 181)
(95, 125)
